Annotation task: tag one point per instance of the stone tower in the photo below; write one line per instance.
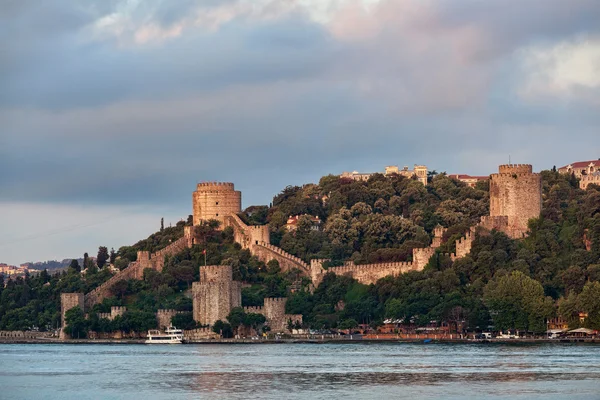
(516, 192)
(216, 294)
(68, 301)
(215, 200)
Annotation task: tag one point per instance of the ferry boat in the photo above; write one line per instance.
(171, 335)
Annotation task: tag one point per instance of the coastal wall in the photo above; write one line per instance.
(215, 294)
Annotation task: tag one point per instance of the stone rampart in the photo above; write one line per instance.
(18, 335)
(199, 334)
(216, 294)
(515, 169)
(69, 301)
(104, 315)
(254, 310)
(135, 270)
(246, 235)
(215, 200)
(266, 252)
(516, 192)
(163, 317)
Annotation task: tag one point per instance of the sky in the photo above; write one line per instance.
(112, 110)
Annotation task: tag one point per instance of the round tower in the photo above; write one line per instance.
(215, 200)
(516, 192)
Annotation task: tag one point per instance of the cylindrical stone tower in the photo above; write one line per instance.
(215, 200)
(516, 192)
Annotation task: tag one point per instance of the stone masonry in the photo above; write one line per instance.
(274, 312)
(516, 192)
(68, 301)
(215, 200)
(216, 294)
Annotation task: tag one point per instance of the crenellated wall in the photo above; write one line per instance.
(266, 252)
(135, 270)
(246, 235)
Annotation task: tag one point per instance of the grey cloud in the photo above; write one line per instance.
(267, 103)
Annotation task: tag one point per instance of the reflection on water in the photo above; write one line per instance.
(299, 371)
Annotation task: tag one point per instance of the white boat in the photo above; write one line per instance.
(171, 335)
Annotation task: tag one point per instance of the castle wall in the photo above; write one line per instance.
(516, 192)
(216, 294)
(163, 317)
(266, 252)
(135, 270)
(68, 301)
(274, 312)
(246, 235)
(215, 200)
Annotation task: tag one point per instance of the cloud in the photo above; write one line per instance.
(130, 103)
(566, 71)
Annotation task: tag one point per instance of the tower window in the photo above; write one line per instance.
(217, 214)
(217, 203)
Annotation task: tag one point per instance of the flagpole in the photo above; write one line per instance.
(205, 257)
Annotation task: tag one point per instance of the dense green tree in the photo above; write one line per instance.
(103, 256)
(518, 302)
(76, 325)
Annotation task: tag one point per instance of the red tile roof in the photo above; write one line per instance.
(582, 164)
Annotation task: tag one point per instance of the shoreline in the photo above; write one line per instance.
(312, 341)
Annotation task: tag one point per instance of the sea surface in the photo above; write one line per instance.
(300, 371)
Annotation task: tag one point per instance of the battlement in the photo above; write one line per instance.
(515, 169)
(254, 310)
(275, 301)
(118, 309)
(143, 256)
(216, 273)
(166, 311)
(204, 186)
(104, 315)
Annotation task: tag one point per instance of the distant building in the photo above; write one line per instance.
(471, 181)
(420, 171)
(292, 222)
(588, 172)
(581, 168)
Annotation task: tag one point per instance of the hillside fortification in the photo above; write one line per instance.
(516, 192)
(215, 200)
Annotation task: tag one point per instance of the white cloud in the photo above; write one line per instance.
(568, 69)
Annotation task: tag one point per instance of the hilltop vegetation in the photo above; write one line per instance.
(506, 283)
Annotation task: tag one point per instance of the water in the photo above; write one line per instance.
(300, 371)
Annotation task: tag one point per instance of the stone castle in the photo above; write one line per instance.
(515, 197)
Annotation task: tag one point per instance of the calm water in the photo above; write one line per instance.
(299, 371)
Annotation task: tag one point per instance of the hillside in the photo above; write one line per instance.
(516, 284)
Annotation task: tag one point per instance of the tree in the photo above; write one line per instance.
(236, 318)
(113, 256)
(162, 224)
(223, 329)
(102, 256)
(86, 260)
(517, 302)
(76, 325)
(74, 266)
(589, 302)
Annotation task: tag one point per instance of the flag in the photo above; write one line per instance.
(204, 251)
